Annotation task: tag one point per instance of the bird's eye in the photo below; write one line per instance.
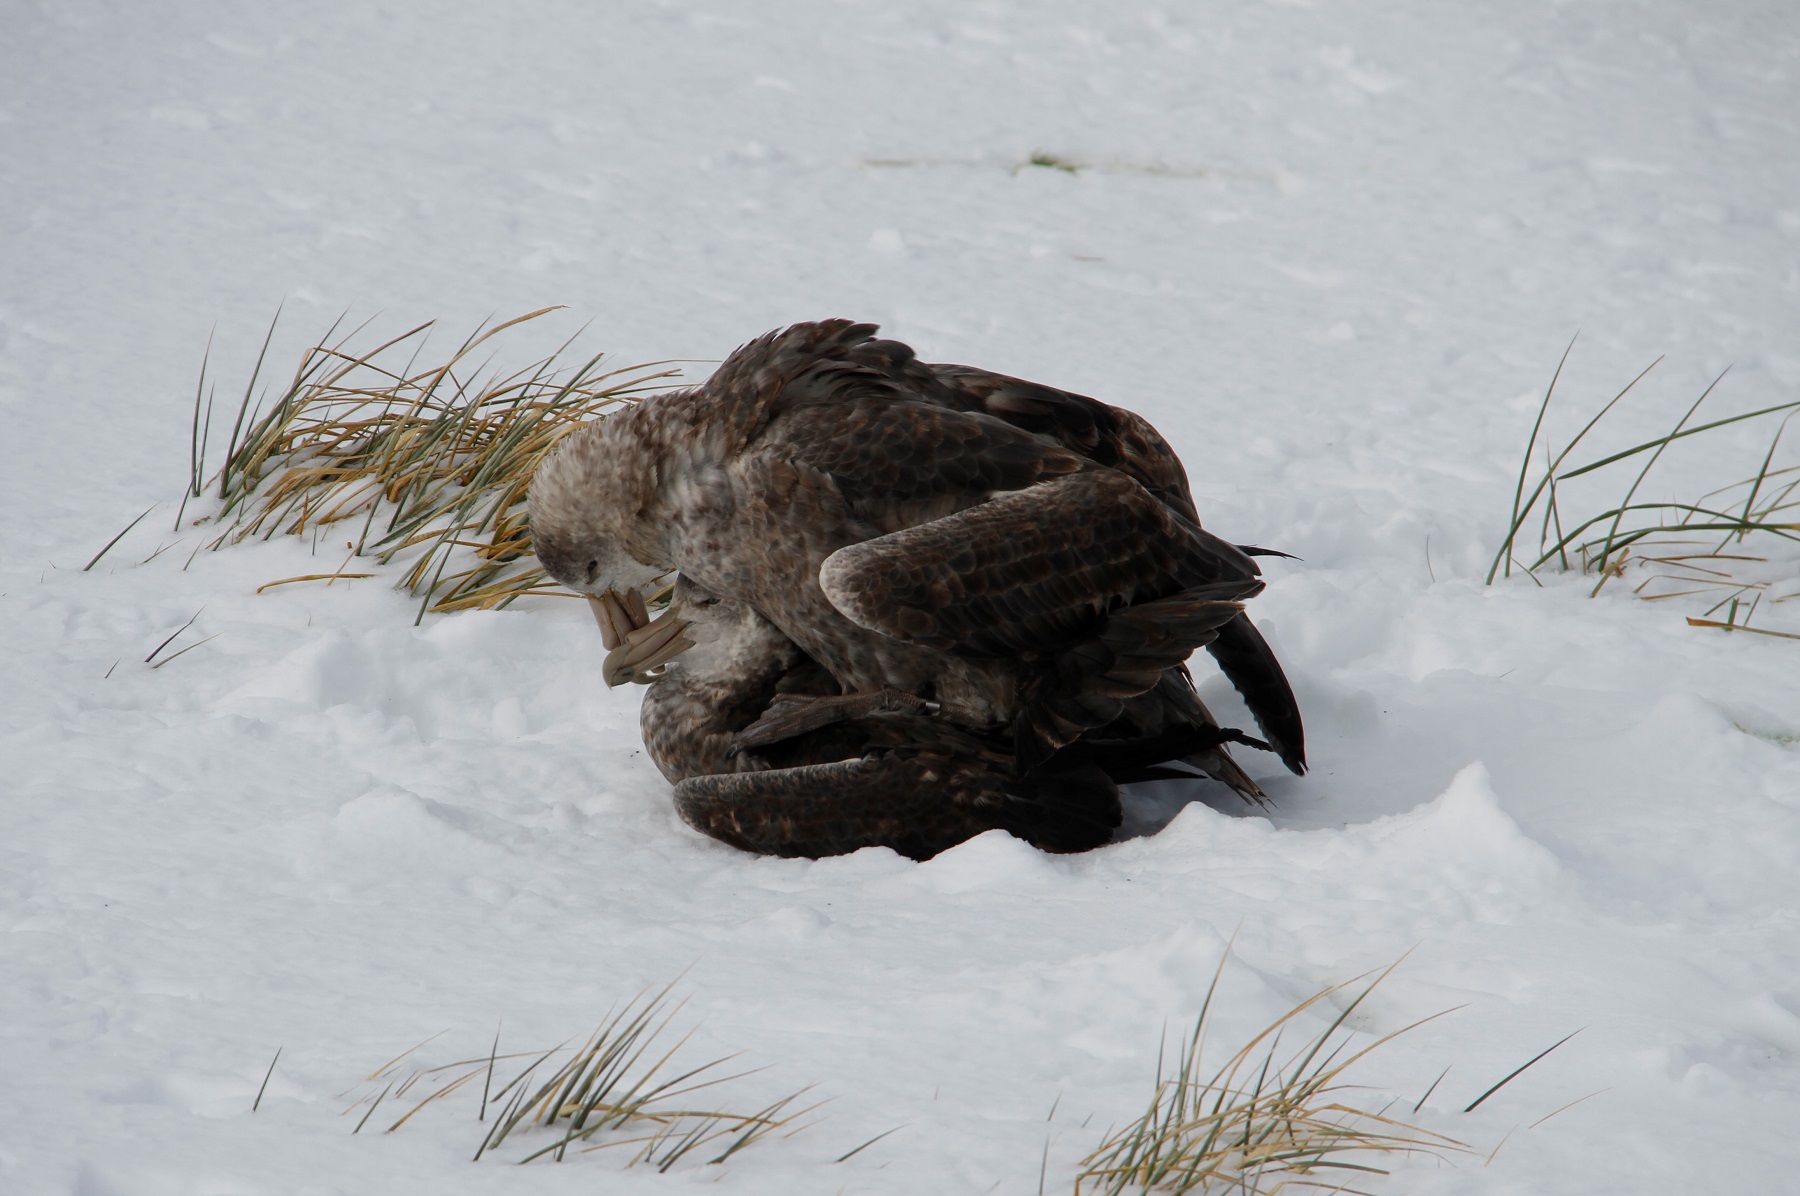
(593, 565)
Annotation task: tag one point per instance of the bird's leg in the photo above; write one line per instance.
(1122, 756)
(796, 714)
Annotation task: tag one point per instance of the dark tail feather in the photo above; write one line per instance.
(1087, 685)
(1248, 661)
(1174, 743)
(1198, 745)
(1175, 701)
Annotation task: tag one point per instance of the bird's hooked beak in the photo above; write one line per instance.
(618, 615)
(639, 646)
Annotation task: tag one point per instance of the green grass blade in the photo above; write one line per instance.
(1693, 431)
(264, 1086)
(1517, 518)
(1517, 1071)
(109, 544)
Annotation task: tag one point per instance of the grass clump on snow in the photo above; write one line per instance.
(1710, 546)
(1262, 1122)
(621, 1088)
(1050, 161)
(425, 465)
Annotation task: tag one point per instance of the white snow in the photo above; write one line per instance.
(1333, 250)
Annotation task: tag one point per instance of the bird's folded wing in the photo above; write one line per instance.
(902, 801)
(1127, 654)
(1027, 570)
(887, 452)
(1107, 435)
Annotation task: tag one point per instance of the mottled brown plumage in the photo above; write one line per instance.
(905, 536)
(1124, 441)
(914, 784)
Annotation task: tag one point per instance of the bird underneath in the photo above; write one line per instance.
(880, 774)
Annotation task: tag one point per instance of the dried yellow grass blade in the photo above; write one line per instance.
(621, 1087)
(434, 464)
(1258, 1123)
(326, 577)
(1784, 635)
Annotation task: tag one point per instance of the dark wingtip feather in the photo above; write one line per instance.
(1250, 664)
(1253, 550)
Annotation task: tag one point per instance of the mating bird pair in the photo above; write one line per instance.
(916, 602)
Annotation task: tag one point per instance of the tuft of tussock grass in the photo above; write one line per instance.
(1050, 161)
(1264, 1121)
(623, 1087)
(1679, 549)
(427, 466)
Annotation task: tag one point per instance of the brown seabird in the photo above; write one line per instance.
(887, 520)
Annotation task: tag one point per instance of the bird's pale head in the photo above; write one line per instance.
(590, 520)
(589, 511)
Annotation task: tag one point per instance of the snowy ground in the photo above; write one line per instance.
(1332, 250)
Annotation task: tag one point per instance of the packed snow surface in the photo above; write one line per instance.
(1333, 250)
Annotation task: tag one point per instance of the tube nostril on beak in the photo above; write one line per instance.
(603, 618)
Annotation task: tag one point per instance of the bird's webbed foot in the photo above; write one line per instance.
(790, 715)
